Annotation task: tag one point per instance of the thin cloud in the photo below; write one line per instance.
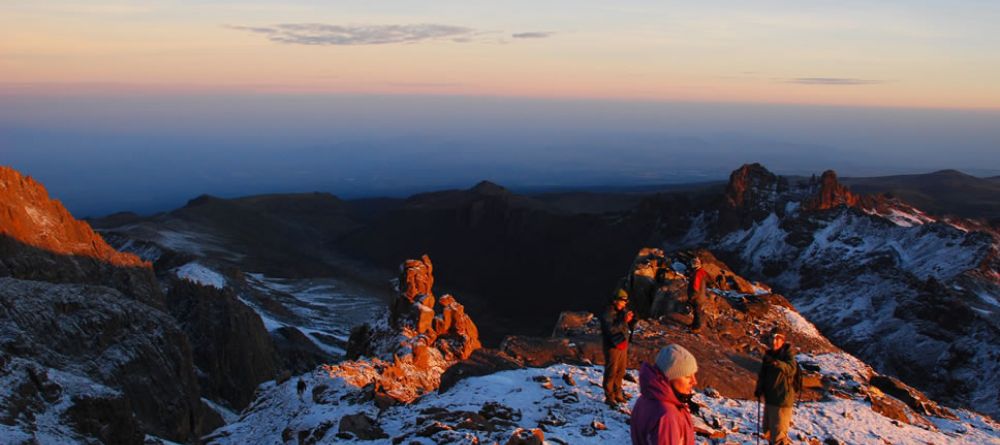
(833, 81)
(323, 34)
(532, 35)
(425, 84)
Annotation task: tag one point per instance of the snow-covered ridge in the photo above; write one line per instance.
(935, 250)
(910, 293)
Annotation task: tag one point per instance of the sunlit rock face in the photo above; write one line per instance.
(41, 240)
(831, 194)
(404, 354)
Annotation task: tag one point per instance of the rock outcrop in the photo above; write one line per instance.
(231, 347)
(41, 240)
(735, 319)
(750, 195)
(84, 333)
(729, 347)
(831, 194)
(405, 355)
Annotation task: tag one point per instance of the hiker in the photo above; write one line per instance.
(778, 384)
(616, 326)
(662, 415)
(697, 280)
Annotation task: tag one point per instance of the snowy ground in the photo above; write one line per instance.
(199, 274)
(569, 413)
(319, 307)
(42, 422)
(323, 309)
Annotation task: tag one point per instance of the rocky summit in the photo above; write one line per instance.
(269, 319)
(548, 389)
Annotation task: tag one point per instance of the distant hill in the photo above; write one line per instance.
(942, 192)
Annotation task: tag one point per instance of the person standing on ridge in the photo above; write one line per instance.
(778, 383)
(697, 282)
(662, 415)
(616, 326)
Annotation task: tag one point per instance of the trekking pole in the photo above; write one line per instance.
(758, 421)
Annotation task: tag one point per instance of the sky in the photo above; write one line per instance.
(140, 105)
(909, 53)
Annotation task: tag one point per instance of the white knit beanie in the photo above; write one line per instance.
(676, 362)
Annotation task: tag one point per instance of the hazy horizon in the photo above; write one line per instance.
(123, 105)
(101, 154)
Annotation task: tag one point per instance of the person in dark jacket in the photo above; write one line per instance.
(616, 327)
(662, 415)
(776, 383)
(697, 282)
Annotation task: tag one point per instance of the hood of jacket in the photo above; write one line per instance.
(653, 384)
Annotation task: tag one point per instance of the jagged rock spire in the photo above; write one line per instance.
(831, 194)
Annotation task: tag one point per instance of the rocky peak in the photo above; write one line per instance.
(489, 188)
(201, 200)
(831, 194)
(29, 216)
(41, 241)
(751, 186)
(751, 195)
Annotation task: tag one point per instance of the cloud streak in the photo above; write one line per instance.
(833, 81)
(324, 34)
(531, 35)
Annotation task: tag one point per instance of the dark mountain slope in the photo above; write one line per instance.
(943, 192)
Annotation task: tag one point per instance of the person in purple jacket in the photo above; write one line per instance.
(661, 415)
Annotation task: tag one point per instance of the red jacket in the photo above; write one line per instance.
(658, 417)
(697, 284)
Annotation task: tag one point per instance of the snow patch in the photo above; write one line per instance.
(38, 217)
(791, 207)
(228, 415)
(988, 298)
(199, 274)
(799, 323)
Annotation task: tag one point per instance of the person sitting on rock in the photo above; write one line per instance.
(777, 383)
(662, 415)
(697, 281)
(616, 326)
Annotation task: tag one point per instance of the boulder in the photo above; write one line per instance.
(540, 352)
(570, 323)
(482, 362)
(361, 427)
(911, 397)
